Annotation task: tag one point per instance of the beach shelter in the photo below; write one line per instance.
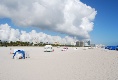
(111, 47)
(19, 54)
(48, 48)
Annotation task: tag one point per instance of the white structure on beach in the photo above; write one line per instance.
(48, 48)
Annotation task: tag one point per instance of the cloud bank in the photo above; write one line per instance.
(10, 34)
(71, 17)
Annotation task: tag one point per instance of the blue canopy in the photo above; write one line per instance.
(20, 52)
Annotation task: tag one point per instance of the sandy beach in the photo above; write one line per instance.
(80, 64)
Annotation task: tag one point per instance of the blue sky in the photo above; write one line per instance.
(106, 22)
(104, 29)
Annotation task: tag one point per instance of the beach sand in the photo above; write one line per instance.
(80, 64)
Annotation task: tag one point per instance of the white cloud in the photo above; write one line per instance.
(70, 17)
(10, 34)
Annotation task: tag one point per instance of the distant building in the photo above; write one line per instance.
(56, 43)
(80, 44)
(86, 44)
(93, 45)
(73, 43)
(89, 42)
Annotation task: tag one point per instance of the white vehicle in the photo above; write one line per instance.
(48, 48)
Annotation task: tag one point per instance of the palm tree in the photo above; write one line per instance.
(11, 43)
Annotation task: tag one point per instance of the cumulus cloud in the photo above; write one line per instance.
(10, 34)
(71, 17)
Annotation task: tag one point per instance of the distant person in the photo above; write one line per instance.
(11, 51)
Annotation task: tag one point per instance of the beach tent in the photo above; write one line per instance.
(117, 48)
(48, 48)
(19, 54)
(111, 47)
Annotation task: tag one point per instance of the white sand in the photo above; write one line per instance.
(90, 64)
